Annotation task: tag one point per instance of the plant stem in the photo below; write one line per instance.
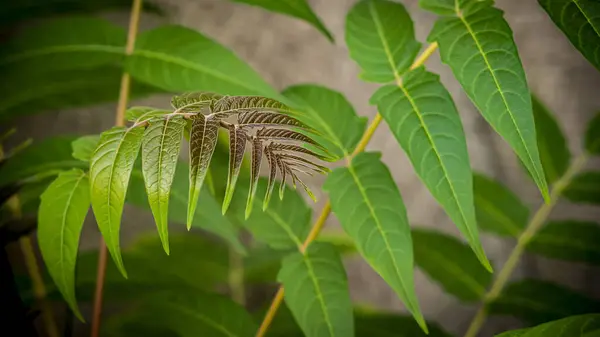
(236, 277)
(320, 223)
(119, 121)
(538, 220)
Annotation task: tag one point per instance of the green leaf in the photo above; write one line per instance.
(63, 208)
(29, 195)
(574, 326)
(498, 209)
(317, 292)
(83, 147)
(381, 39)
(424, 120)
(179, 59)
(143, 113)
(257, 154)
(388, 324)
(575, 241)
(160, 153)
(237, 146)
(536, 302)
(554, 153)
(584, 188)
(365, 199)
(592, 136)
(450, 263)
(580, 21)
(110, 170)
(330, 113)
(294, 8)
(477, 44)
(41, 159)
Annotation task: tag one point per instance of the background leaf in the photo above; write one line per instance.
(317, 292)
(477, 44)
(580, 21)
(381, 39)
(450, 263)
(537, 302)
(584, 188)
(574, 326)
(498, 209)
(388, 324)
(295, 8)
(574, 241)
(63, 208)
(365, 199)
(83, 147)
(592, 136)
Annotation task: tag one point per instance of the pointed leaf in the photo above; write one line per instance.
(498, 209)
(554, 153)
(592, 136)
(381, 39)
(316, 291)
(194, 100)
(272, 174)
(191, 61)
(584, 188)
(574, 241)
(110, 170)
(330, 113)
(574, 326)
(295, 8)
(237, 146)
(477, 44)
(268, 118)
(368, 204)
(257, 151)
(62, 212)
(203, 140)
(536, 302)
(387, 324)
(277, 147)
(236, 104)
(160, 153)
(450, 263)
(142, 113)
(424, 120)
(83, 147)
(276, 134)
(579, 20)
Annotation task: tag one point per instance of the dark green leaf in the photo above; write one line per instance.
(580, 21)
(110, 170)
(568, 240)
(477, 44)
(29, 195)
(584, 188)
(316, 291)
(83, 147)
(592, 136)
(450, 263)
(498, 209)
(262, 265)
(554, 153)
(63, 208)
(387, 324)
(295, 8)
(424, 120)
(142, 113)
(160, 153)
(381, 39)
(537, 302)
(365, 199)
(41, 159)
(237, 146)
(574, 326)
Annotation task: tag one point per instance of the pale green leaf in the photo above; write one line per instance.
(316, 291)
(237, 146)
(83, 147)
(424, 120)
(574, 326)
(584, 188)
(41, 159)
(110, 170)
(203, 140)
(294, 8)
(330, 113)
(498, 209)
(592, 136)
(365, 199)
(381, 39)
(580, 21)
(477, 44)
(450, 263)
(143, 113)
(536, 302)
(63, 208)
(575, 241)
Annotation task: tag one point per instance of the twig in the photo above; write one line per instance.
(320, 223)
(538, 220)
(119, 121)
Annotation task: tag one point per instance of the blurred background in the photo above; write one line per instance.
(287, 51)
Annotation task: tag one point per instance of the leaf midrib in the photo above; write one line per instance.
(286, 227)
(586, 18)
(384, 42)
(511, 225)
(207, 320)
(313, 278)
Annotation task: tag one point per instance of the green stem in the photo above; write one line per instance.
(538, 220)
